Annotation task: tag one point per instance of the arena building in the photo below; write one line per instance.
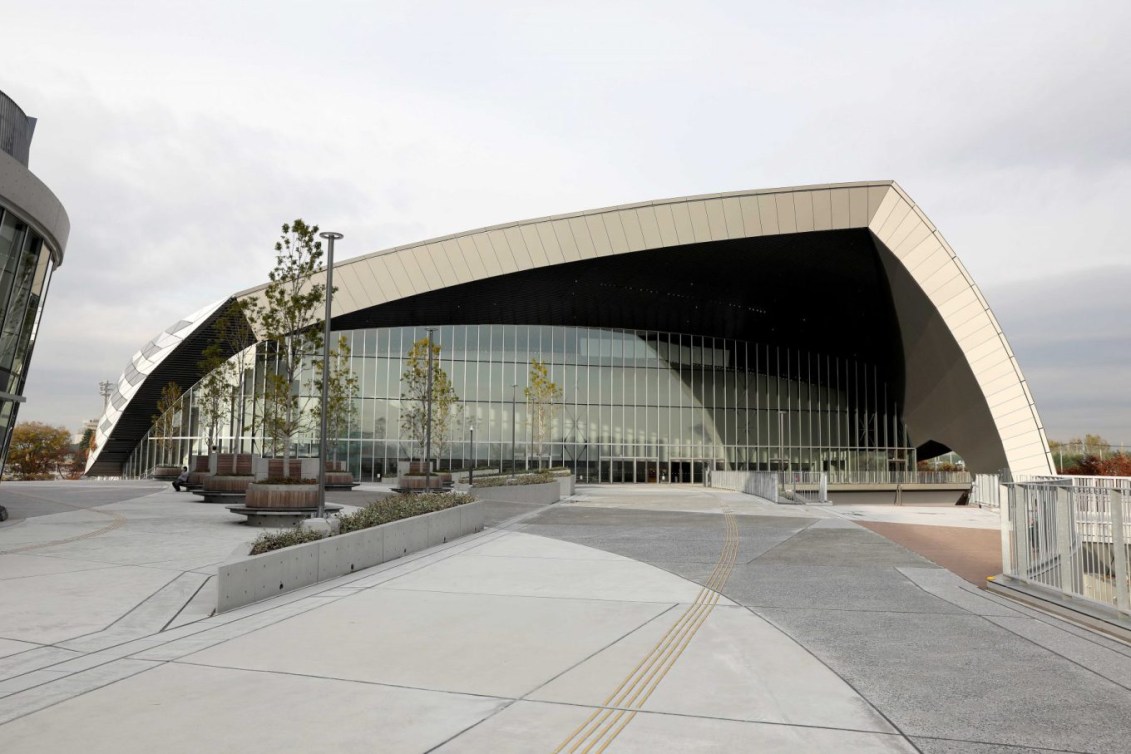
(820, 328)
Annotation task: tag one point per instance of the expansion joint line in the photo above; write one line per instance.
(599, 730)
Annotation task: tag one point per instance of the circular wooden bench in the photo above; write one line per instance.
(279, 518)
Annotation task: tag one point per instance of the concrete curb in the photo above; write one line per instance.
(543, 494)
(258, 577)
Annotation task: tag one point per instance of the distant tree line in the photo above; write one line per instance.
(1090, 455)
(39, 451)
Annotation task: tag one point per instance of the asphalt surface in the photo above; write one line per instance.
(29, 499)
(969, 673)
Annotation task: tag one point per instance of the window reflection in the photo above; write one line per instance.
(634, 405)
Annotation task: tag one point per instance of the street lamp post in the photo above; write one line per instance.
(471, 469)
(330, 237)
(514, 389)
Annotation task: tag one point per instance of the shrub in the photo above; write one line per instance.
(393, 508)
(538, 477)
(397, 507)
(1118, 464)
(277, 540)
(287, 480)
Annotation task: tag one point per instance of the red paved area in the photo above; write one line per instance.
(973, 554)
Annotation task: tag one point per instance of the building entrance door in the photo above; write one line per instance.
(647, 471)
(687, 471)
(630, 470)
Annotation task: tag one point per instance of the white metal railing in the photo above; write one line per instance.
(1070, 538)
(1122, 483)
(986, 491)
(863, 476)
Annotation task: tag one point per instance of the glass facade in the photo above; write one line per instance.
(636, 406)
(25, 274)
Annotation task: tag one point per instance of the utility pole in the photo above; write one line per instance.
(105, 389)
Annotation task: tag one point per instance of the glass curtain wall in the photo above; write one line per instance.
(635, 406)
(25, 274)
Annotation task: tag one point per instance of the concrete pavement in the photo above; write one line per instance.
(586, 624)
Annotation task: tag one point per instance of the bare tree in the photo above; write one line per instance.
(288, 314)
(414, 399)
(543, 395)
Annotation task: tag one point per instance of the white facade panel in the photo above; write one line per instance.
(732, 215)
(716, 220)
(751, 220)
(803, 209)
(768, 214)
(787, 213)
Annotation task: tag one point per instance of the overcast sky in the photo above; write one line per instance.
(181, 135)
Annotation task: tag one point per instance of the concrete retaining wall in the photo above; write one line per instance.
(258, 577)
(543, 494)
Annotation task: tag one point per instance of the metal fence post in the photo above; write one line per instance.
(1064, 539)
(1024, 528)
(1119, 551)
(1005, 510)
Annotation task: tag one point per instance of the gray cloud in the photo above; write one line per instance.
(1072, 336)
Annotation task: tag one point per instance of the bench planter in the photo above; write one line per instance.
(234, 463)
(339, 480)
(421, 483)
(227, 483)
(254, 578)
(281, 496)
(166, 473)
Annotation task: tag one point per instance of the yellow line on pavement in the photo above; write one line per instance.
(621, 706)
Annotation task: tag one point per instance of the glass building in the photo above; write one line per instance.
(817, 328)
(33, 234)
(635, 406)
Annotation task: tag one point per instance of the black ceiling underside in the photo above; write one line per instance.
(824, 291)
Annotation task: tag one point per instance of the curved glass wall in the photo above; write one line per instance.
(635, 406)
(25, 274)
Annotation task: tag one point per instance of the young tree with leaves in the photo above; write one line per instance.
(542, 394)
(287, 315)
(341, 392)
(414, 398)
(167, 420)
(214, 392)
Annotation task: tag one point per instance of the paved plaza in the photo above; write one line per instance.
(627, 619)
